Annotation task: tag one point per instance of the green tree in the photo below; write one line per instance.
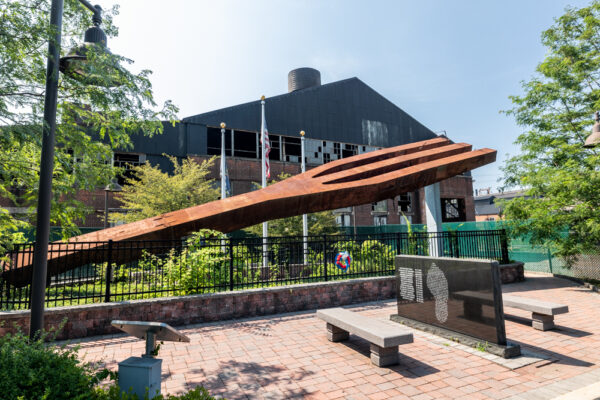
(92, 121)
(151, 192)
(318, 223)
(561, 177)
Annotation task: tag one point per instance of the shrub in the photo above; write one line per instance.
(34, 370)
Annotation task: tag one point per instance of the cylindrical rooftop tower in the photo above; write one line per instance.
(302, 78)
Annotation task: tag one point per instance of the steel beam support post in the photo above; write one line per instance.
(433, 212)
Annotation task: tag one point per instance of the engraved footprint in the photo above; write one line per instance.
(438, 286)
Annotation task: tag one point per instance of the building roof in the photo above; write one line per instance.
(347, 111)
(485, 205)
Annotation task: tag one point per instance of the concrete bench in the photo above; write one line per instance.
(542, 312)
(384, 337)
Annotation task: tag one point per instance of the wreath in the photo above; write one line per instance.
(343, 260)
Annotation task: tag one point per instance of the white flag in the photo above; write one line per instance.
(265, 134)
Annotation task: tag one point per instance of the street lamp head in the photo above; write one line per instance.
(594, 139)
(223, 125)
(302, 133)
(113, 186)
(76, 64)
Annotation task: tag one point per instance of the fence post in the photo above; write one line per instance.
(108, 271)
(398, 246)
(550, 260)
(325, 257)
(504, 245)
(455, 245)
(231, 264)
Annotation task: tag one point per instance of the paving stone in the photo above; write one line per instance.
(288, 356)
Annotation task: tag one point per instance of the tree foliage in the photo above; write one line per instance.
(318, 223)
(561, 177)
(151, 192)
(92, 121)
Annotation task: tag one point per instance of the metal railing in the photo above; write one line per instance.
(95, 272)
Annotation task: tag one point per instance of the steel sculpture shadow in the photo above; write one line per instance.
(361, 179)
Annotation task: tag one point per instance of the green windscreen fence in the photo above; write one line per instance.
(536, 257)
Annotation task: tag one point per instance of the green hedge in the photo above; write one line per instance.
(34, 370)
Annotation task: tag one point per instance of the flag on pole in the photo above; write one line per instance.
(267, 144)
(265, 172)
(227, 182)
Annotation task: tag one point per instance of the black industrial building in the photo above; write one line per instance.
(340, 119)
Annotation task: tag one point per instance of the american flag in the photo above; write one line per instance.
(265, 134)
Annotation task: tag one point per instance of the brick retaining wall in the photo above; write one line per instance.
(94, 319)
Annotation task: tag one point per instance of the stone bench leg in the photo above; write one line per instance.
(384, 356)
(335, 334)
(542, 322)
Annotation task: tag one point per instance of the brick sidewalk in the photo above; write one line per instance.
(288, 356)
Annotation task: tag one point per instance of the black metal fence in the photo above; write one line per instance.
(91, 272)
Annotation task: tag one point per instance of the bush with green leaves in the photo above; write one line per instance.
(35, 370)
(203, 263)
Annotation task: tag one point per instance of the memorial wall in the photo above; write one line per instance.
(460, 295)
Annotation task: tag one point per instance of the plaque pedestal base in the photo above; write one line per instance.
(139, 373)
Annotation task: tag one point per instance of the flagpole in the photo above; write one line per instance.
(223, 161)
(304, 216)
(264, 176)
(223, 176)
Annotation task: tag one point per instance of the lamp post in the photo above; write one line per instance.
(93, 35)
(113, 186)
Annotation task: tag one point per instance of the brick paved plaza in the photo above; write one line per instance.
(288, 356)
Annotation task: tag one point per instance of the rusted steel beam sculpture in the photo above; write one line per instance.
(352, 181)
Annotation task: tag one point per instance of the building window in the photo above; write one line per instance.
(405, 203)
(379, 220)
(322, 151)
(405, 219)
(213, 141)
(244, 143)
(453, 210)
(127, 161)
(337, 149)
(349, 150)
(343, 220)
(379, 207)
(343, 216)
(291, 149)
(276, 150)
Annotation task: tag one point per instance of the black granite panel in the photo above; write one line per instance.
(456, 294)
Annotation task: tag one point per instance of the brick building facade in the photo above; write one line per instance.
(340, 119)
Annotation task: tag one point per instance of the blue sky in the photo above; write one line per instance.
(450, 64)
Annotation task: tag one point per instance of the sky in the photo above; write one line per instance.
(452, 65)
